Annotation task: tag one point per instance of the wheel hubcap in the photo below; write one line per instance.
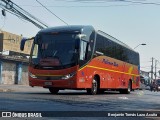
(129, 87)
(94, 85)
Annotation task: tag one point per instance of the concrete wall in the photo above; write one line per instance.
(13, 66)
(8, 73)
(24, 79)
(13, 72)
(11, 42)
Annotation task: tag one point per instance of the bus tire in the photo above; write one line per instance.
(94, 89)
(128, 90)
(53, 90)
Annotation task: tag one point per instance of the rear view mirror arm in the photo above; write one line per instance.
(23, 42)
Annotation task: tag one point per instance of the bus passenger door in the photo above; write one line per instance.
(122, 80)
(82, 63)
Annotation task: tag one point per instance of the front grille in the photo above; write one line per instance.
(49, 77)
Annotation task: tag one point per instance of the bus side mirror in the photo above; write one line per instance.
(23, 41)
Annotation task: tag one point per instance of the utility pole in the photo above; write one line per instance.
(155, 69)
(152, 70)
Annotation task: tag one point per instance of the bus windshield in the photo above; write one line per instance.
(55, 51)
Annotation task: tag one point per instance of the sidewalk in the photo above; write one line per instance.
(19, 88)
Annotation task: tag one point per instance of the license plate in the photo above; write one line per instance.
(48, 83)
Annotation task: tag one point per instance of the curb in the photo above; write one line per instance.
(6, 90)
(20, 88)
(11, 88)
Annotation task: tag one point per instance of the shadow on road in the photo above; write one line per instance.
(70, 92)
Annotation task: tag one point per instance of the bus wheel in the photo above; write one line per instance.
(94, 89)
(53, 90)
(128, 90)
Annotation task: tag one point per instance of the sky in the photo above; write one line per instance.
(131, 21)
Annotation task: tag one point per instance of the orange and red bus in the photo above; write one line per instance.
(79, 57)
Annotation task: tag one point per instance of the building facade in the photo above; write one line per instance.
(13, 62)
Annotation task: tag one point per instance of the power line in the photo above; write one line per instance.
(4, 22)
(80, 6)
(127, 1)
(52, 12)
(136, 2)
(93, 1)
(12, 8)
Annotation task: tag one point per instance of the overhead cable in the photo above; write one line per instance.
(13, 8)
(52, 12)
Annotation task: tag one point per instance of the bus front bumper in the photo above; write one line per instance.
(69, 83)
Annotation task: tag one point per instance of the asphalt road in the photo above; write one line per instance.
(24, 98)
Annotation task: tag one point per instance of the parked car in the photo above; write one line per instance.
(155, 86)
(158, 84)
(144, 85)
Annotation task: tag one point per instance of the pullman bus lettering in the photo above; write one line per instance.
(110, 63)
(60, 56)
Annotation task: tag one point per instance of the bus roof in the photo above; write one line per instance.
(68, 28)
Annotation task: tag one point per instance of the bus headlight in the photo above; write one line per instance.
(68, 76)
(32, 75)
